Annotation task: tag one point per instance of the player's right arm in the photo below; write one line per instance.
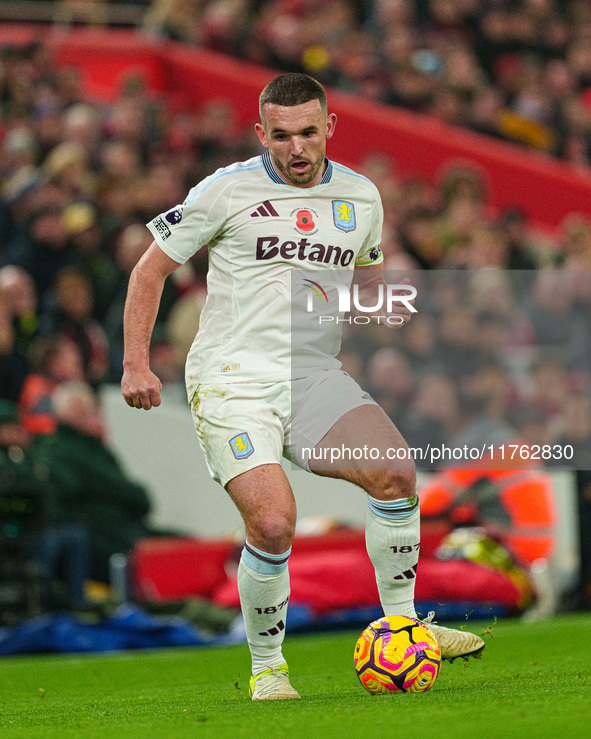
(139, 386)
(178, 234)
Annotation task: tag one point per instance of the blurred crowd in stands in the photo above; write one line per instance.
(514, 69)
(78, 181)
(491, 358)
(518, 70)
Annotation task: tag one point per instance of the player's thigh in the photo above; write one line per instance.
(318, 402)
(371, 454)
(369, 431)
(360, 443)
(238, 428)
(364, 438)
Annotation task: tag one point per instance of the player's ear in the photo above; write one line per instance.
(331, 122)
(258, 127)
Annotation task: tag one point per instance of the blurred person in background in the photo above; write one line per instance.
(522, 253)
(80, 125)
(53, 360)
(549, 383)
(160, 185)
(173, 19)
(18, 290)
(484, 113)
(86, 236)
(484, 248)
(121, 160)
(457, 342)
(432, 415)
(494, 532)
(420, 344)
(495, 296)
(576, 246)
(120, 169)
(87, 480)
(390, 380)
(532, 425)
(13, 366)
(67, 168)
(420, 237)
(559, 322)
(463, 211)
(478, 425)
(43, 249)
(573, 428)
(58, 545)
(18, 171)
(69, 312)
(494, 383)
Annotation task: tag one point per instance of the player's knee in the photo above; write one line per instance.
(394, 483)
(273, 532)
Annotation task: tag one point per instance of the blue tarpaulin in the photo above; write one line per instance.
(132, 628)
(128, 628)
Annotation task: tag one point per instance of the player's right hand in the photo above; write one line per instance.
(141, 389)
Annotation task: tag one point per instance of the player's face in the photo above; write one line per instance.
(296, 137)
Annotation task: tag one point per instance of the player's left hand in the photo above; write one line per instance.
(400, 313)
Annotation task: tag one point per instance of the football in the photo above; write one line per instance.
(397, 655)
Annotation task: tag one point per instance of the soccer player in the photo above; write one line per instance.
(289, 209)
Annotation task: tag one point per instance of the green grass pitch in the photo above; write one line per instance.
(534, 680)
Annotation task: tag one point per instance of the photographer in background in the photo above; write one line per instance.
(34, 527)
(88, 480)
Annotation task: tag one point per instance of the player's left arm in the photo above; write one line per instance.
(394, 305)
(396, 301)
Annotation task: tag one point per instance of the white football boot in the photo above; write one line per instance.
(272, 684)
(455, 642)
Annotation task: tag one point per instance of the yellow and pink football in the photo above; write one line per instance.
(397, 655)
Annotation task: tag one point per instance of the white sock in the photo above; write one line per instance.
(263, 585)
(392, 536)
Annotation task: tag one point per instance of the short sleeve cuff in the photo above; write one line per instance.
(371, 257)
(161, 232)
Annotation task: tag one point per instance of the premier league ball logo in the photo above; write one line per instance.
(174, 216)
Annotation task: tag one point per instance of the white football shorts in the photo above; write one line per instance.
(243, 425)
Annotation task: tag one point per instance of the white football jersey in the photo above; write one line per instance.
(260, 232)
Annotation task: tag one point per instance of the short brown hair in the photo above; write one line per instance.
(292, 89)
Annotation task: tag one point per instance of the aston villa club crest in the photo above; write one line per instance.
(343, 213)
(241, 445)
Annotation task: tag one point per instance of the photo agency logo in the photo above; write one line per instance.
(386, 301)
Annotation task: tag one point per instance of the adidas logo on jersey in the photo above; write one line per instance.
(264, 209)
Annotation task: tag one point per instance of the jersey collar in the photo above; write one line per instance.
(270, 170)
